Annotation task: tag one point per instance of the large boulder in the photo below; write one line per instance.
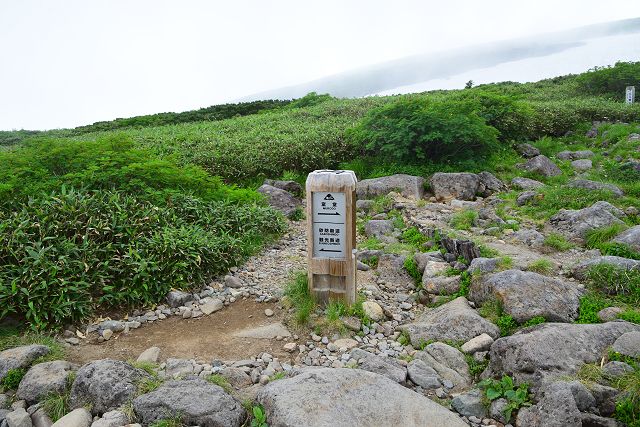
(43, 379)
(630, 237)
(586, 184)
(542, 166)
(541, 353)
(20, 357)
(407, 185)
(527, 150)
(280, 199)
(105, 385)
(195, 400)
(357, 398)
(448, 362)
(580, 271)
(290, 186)
(454, 321)
(461, 186)
(582, 165)
(575, 155)
(489, 184)
(628, 344)
(575, 224)
(79, 417)
(526, 183)
(525, 295)
(381, 229)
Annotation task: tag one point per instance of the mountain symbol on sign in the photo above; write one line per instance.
(329, 197)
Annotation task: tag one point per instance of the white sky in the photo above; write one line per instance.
(66, 63)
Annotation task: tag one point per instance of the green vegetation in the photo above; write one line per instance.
(558, 242)
(516, 397)
(169, 422)
(610, 81)
(259, 417)
(221, 381)
(14, 338)
(412, 236)
(56, 405)
(12, 379)
(464, 220)
(493, 311)
(148, 385)
(298, 295)
(615, 281)
(411, 266)
(542, 266)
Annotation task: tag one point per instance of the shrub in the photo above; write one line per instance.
(414, 129)
(610, 81)
(415, 238)
(12, 379)
(72, 250)
(516, 397)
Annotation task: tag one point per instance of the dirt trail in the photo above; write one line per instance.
(207, 337)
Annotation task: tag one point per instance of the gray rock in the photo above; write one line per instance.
(527, 150)
(105, 385)
(469, 404)
(630, 237)
(616, 369)
(559, 407)
(489, 184)
(423, 375)
(497, 409)
(79, 417)
(114, 325)
(582, 165)
(358, 399)
(289, 186)
(529, 237)
(373, 310)
(280, 199)
(407, 185)
(581, 270)
(574, 155)
(461, 186)
(483, 265)
(232, 282)
(525, 197)
(526, 183)
(176, 299)
(364, 205)
(5, 403)
(3, 416)
(595, 186)
(40, 418)
(236, 377)
(441, 285)
(379, 228)
(480, 343)
(449, 363)
(552, 350)
(542, 166)
(212, 306)
(609, 314)
(43, 379)
(197, 401)
(525, 295)
(150, 355)
(20, 357)
(112, 419)
(433, 268)
(628, 344)
(576, 223)
(178, 367)
(18, 418)
(361, 266)
(454, 321)
(386, 366)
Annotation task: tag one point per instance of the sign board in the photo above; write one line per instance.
(329, 216)
(331, 235)
(630, 94)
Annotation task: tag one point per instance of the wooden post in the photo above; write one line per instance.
(331, 235)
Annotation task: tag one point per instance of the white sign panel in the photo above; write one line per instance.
(329, 216)
(631, 94)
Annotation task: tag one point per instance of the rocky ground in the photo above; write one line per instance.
(416, 356)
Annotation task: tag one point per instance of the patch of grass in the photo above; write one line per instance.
(475, 367)
(297, 214)
(415, 238)
(56, 405)
(612, 280)
(371, 243)
(630, 315)
(381, 204)
(12, 379)
(278, 376)
(465, 284)
(399, 248)
(411, 266)
(221, 381)
(486, 251)
(598, 236)
(168, 422)
(618, 249)
(590, 304)
(404, 338)
(558, 242)
(297, 292)
(534, 321)
(56, 351)
(628, 405)
(371, 261)
(505, 263)
(149, 367)
(589, 373)
(464, 220)
(542, 266)
(147, 385)
(492, 310)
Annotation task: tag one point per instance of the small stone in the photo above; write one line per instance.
(290, 347)
(264, 380)
(18, 418)
(373, 310)
(232, 282)
(268, 312)
(212, 306)
(107, 334)
(72, 341)
(479, 343)
(151, 355)
(187, 314)
(77, 418)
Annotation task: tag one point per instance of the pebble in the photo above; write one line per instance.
(268, 312)
(107, 334)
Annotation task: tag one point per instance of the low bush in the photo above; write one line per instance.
(12, 378)
(516, 397)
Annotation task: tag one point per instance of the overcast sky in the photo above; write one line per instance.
(71, 62)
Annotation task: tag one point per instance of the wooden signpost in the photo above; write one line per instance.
(331, 235)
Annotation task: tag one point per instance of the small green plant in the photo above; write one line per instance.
(589, 373)
(475, 367)
(492, 310)
(56, 405)
(542, 266)
(221, 381)
(415, 238)
(278, 376)
(404, 339)
(168, 422)
(505, 262)
(297, 214)
(464, 220)
(148, 385)
(558, 242)
(371, 261)
(12, 379)
(613, 280)
(372, 243)
(149, 367)
(259, 417)
(595, 238)
(628, 405)
(516, 397)
(487, 252)
(411, 266)
(590, 304)
(632, 316)
(297, 292)
(534, 321)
